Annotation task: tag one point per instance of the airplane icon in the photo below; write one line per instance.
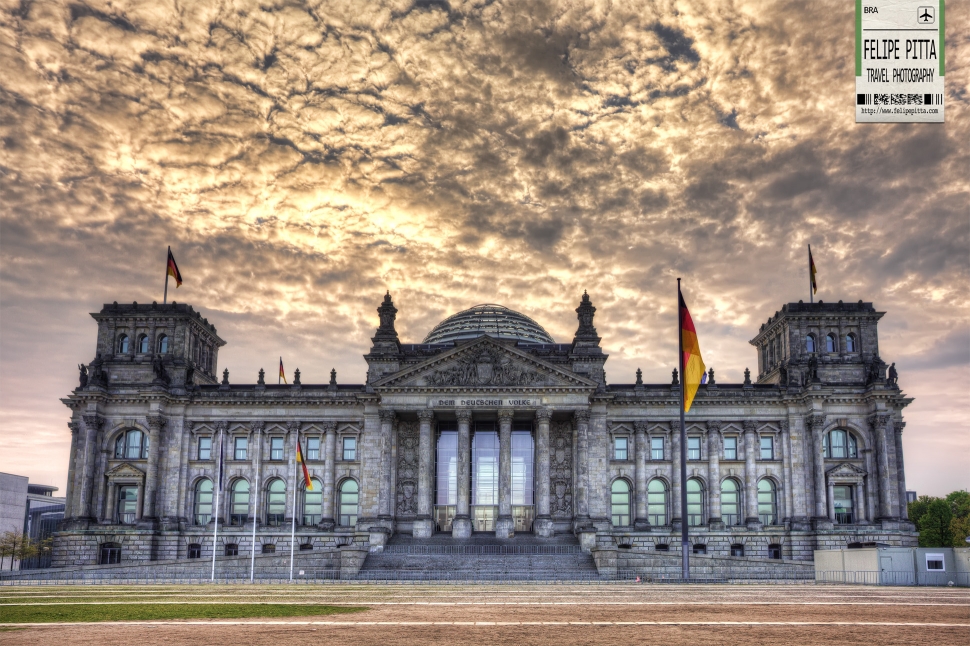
(925, 15)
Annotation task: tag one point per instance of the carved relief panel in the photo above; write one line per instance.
(407, 468)
(561, 469)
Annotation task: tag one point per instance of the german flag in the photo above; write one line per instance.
(173, 269)
(693, 365)
(282, 374)
(299, 460)
(811, 270)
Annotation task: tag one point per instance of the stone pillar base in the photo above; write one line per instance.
(890, 523)
(504, 527)
(641, 525)
(461, 527)
(423, 528)
(676, 524)
(801, 524)
(822, 523)
(716, 523)
(543, 527)
(147, 523)
(753, 524)
(377, 538)
(327, 524)
(587, 540)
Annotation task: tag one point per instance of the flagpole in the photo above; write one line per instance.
(165, 297)
(811, 294)
(293, 512)
(684, 539)
(215, 529)
(279, 376)
(252, 556)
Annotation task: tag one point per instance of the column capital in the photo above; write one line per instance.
(640, 428)
(463, 415)
(581, 416)
(425, 415)
(222, 427)
(387, 415)
(750, 426)
(293, 426)
(784, 426)
(815, 421)
(93, 421)
(898, 427)
(74, 426)
(878, 420)
(714, 426)
(505, 414)
(258, 426)
(328, 427)
(155, 422)
(543, 414)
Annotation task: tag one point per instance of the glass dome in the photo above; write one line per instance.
(493, 320)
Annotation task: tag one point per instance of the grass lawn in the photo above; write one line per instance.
(148, 611)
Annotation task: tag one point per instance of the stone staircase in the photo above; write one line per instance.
(480, 558)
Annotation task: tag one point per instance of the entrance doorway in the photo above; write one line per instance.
(485, 456)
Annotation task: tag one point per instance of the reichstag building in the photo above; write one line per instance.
(487, 427)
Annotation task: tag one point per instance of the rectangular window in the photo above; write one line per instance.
(656, 448)
(767, 447)
(313, 448)
(693, 448)
(205, 448)
(276, 448)
(240, 448)
(350, 449)
(935, 563)
(620, 448)
(731, 448)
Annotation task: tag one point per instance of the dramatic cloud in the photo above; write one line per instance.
(302, 158)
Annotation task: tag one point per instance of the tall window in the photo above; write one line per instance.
(843, 504)
(839, 444)
(163, 344)
(850, 343)
(695, 503)
(620, 448)
(523, 465)
(110, 554)
(276, 448)
(275, 503)
(195, 551)
(203, 502)
(205, 448)
(348, 503)
(240, 448)
(830, 345)
(350, 449)
(693, 448)
(127, 504)
(767, 447)
(620, 503)
(123, 344)
(313, 448)
(731, 447)
(767, 502)
(657, 503)
(143, 344)
(731, 502)
(232, 549)
(656, 448)
(313, 503)
(810, 343)
(132, 445)
(485, 457)
(239, 503)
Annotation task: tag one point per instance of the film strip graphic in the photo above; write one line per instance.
(899, 99)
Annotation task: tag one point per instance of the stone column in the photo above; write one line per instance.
(384, 499)
(461, 525)
(543, 523)
(424, 525)
(858, 504)
(816, 423)
(219, 440)
(675, 483)
(149, 503)
(901, 471)
(99, 511)
(256, 493)
(750, 476)
(71, 470)
(640, 453)
(786, 466)
(295, 477)
(714, 474)
(504, 525)
(878, 424)
(830, 490)
(328, 520)
(92, 440)
(581, 419)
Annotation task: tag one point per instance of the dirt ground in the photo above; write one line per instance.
(555, 615)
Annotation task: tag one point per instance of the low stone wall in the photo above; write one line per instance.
(631, 563)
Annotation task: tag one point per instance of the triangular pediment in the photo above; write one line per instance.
(845, 470)
(481, 364)
(125, 470)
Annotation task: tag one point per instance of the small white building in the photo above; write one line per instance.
(884, 565)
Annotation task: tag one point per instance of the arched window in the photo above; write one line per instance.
(131, 445)
(313, 503)
(695, 503)
(348, 503)
(657, 503)
(767, 502)
(127, 504)
(203, 502)
(840, 444)
(163, 344)
(110, 553)
(123, 344)
(143, 344)
(275, 503)
(239, 503)
(830, 345)
(731, 502)
(620, 503)
(850, 343)
(810, 343)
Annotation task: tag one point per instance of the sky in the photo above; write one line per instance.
(303, 158)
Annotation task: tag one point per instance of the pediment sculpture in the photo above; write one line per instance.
(486, 368)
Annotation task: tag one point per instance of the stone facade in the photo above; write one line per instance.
(491, 432)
